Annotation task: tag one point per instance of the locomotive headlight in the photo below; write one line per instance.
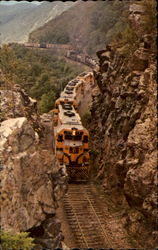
(74, 132)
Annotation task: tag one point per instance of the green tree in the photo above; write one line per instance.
(38, 72)
(47, 102)
(8, 63)
(16, 241)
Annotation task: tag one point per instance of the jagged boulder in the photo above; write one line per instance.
(135, 17)
(16, 103)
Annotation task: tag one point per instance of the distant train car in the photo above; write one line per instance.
(80, 57)
(43, 45)
(32, 45)
(49, 45)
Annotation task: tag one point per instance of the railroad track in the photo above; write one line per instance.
(92, 225)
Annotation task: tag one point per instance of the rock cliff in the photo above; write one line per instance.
(32, 181)
(123, 129)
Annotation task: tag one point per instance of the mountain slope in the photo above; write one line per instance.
(87, 25)
(17, 21)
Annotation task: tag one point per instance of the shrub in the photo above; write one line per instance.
(16, 241)
(47, 102)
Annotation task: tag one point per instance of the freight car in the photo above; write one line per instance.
(82, 58)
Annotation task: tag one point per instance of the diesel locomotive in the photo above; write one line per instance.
(71, 138)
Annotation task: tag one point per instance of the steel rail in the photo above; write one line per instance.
(74, 202)
(79, 225)
(105, 234)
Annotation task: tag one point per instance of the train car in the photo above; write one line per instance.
(64, 99)
(43, 45)
(32, 45)
(71, 140)
(49, 45)
(80, 57)
(87, 77)
(78, 90)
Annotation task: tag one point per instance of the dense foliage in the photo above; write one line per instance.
(16, 241)
(40, 72)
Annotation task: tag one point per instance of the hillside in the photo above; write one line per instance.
(87, 25)
(17, 21)
(41, 74)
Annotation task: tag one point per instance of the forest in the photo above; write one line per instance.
(43, 74)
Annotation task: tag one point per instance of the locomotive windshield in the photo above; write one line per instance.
(74, 137)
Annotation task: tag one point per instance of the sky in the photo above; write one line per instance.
(15, 2)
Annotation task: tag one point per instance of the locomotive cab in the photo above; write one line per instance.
(72, 147)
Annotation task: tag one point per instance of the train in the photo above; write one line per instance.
(82, 58)
(44, 45)
(71, 137)
(69, 52)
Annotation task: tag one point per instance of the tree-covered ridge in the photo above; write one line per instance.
(41, 73)
(88, 25)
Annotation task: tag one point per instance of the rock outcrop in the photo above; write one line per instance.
(124, 133)
(16, 103)
(32, 181)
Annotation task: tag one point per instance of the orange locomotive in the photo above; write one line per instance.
(71, 138)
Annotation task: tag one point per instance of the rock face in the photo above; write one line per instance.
(32, 181)
(135, 13)
(16, 103)
(124, 132)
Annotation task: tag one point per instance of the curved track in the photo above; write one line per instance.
(91, 223)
